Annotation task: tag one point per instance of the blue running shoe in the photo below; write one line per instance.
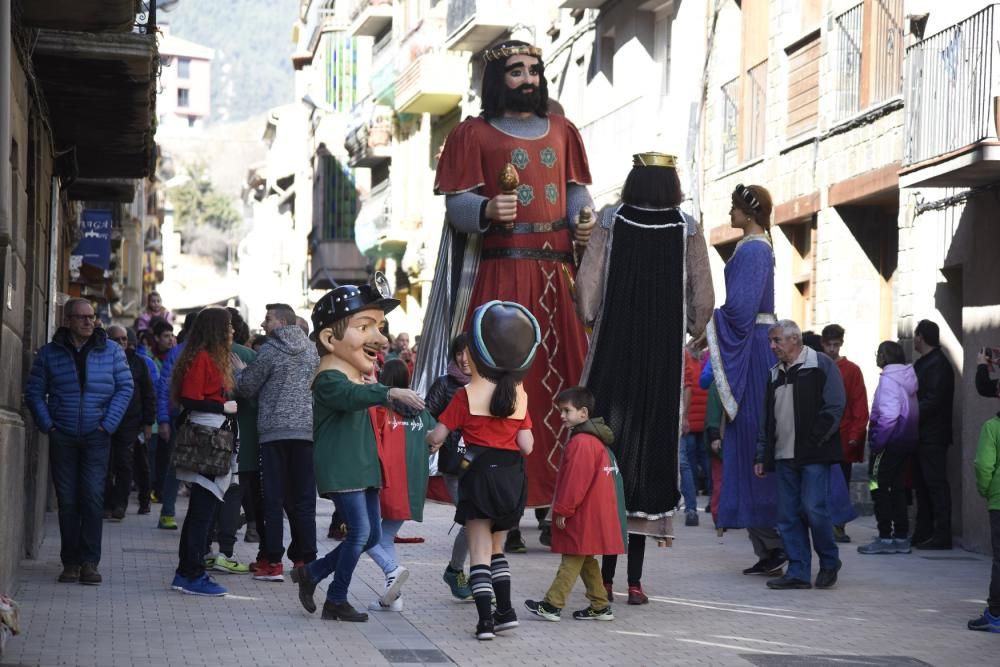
(203, 586)
(985, 623)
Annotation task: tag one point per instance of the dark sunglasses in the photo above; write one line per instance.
(747, 196)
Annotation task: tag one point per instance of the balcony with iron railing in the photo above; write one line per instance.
(868, 52)
(369, 134)
(472, 25)
(952, 106)
(370, 18)
(376, 231)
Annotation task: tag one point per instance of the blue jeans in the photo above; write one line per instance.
(361, 511)
(384, 553)
(803, 507)
(169, 492)
(688, 465)
(701, 462)
(79, 466)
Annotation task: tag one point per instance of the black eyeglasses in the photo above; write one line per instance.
(746, 194)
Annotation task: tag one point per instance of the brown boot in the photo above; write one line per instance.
(70, 574)
(89, 574)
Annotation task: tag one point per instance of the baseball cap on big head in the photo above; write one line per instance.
(506, 336)
(345, 300)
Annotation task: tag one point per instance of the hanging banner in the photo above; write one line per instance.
(95, 239)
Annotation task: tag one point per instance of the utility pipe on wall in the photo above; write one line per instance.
(6, 224)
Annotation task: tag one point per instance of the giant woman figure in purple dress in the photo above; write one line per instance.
(741, 358)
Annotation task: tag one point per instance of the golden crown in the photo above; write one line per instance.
(504, 52)
(654, 159)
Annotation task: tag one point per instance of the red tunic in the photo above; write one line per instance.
(586, 496)
(854, 423)
(394, 496)
(473, 157)
(485, 431)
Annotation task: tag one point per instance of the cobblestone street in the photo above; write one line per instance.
(889, 610)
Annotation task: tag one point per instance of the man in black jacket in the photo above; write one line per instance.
(935, 393)
(800, 439)
(139, 418)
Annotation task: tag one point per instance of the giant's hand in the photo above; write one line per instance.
(502, 208)
(407, 397)
(584, 225)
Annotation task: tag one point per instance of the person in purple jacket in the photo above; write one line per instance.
(892, 435)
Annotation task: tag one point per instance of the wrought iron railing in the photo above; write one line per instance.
(145, 18)
(847, 38)
(730, 123)
(886, 52)
(950, 87)
(756, 127)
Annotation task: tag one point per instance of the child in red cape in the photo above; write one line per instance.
(588, 511)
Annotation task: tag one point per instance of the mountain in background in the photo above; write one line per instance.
(252, 70)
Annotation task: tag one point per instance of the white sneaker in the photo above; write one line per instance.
(394, 584)
(396, 605)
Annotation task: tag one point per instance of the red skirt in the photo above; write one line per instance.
(543, 288)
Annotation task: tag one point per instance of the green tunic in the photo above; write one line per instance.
(417, 462)
(246, 416)
(345, 455)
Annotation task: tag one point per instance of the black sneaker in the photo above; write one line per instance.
(546, 535)
(505, 621)
(768, 566)
(691, 518)
(827, 578)
(70, 574)
(543, 609)
(307, 586)
(89, 574)
(342, 611)
(485, 630)
(118, 513)
(934, 544)
(514, 544)
(786, 583)
(591, 614)
(144, 508)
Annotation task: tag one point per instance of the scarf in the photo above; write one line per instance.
(456, 374)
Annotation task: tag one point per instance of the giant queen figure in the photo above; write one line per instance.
(515, 238)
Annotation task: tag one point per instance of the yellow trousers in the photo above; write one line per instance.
(570, 568)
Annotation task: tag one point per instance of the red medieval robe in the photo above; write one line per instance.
(587, 495)
(530, 262)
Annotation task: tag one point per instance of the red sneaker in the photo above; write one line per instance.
(635, 595)
(269, 572)
(408, 540)
(258, 564)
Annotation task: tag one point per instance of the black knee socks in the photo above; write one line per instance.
(501, 581)
(481, 584)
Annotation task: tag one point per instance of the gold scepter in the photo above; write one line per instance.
(509, 181)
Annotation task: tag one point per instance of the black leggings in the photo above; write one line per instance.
(636, 554)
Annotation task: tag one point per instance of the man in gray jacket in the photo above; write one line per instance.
(280, 379)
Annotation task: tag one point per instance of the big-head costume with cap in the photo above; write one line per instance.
(346, 451)
(529, 262)
(644, 279)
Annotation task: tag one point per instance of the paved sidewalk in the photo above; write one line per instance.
(886, 610)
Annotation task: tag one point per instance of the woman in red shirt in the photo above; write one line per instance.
(492, 414)
(202, 383)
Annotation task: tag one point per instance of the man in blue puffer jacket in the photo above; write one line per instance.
(78, 391)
